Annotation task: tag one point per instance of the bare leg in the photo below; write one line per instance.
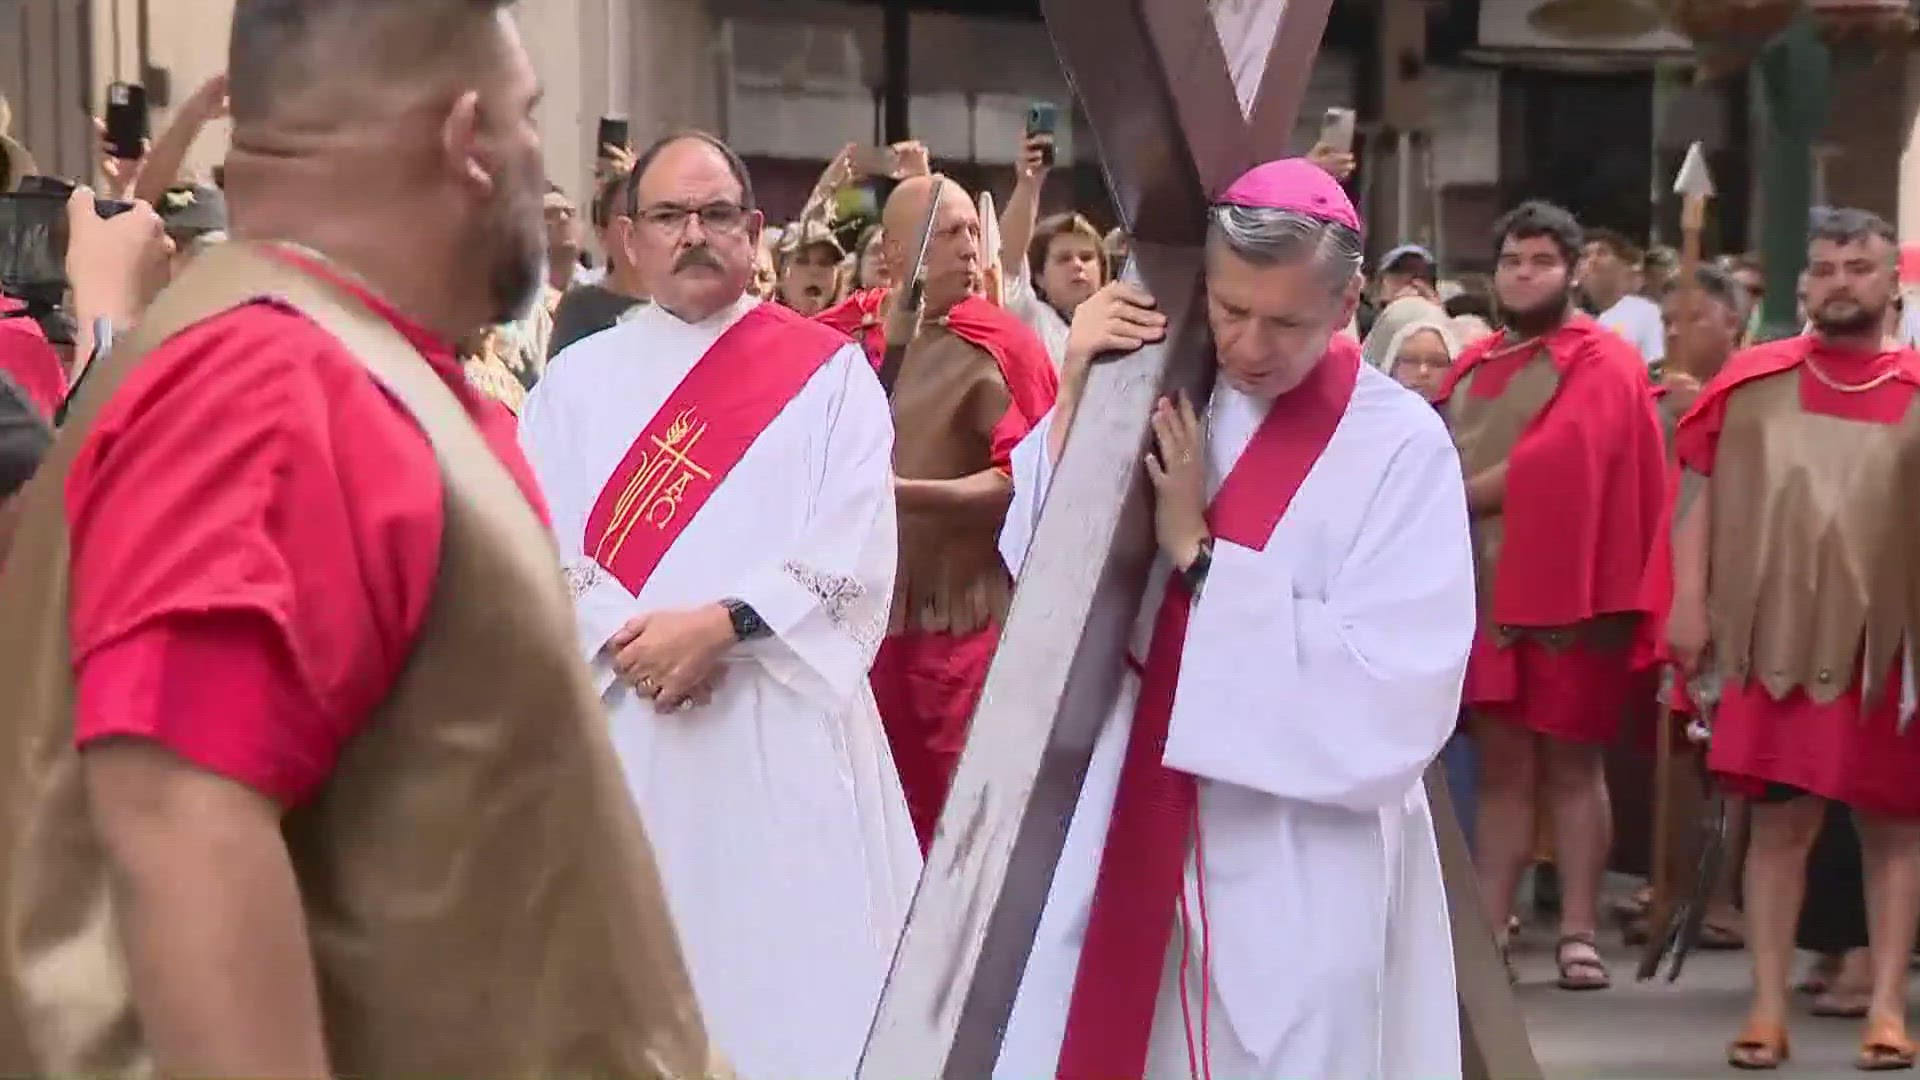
(1782, 834)
(1575, 780)
(1890, 851)
(1576, 783)
(1724, 909)
(1503, 837)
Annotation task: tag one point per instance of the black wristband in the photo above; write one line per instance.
(1195, 572)
(747, 623)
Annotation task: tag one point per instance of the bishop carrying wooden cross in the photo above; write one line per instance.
(1189, 834)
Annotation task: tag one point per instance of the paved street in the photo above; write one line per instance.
(1658, 1031)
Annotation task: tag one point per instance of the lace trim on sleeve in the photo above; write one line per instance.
(847, 603)
(582, 577)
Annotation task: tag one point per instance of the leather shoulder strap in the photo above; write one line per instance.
(238, 273)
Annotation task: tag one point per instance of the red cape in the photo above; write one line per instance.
(1587, 483)
(1022, 357)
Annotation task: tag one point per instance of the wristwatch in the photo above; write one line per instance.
(747, 623)
(1194, 574)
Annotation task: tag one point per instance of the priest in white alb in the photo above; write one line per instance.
(720, 473)
(1251, 886)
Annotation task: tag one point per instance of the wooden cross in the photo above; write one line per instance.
(1168, 120)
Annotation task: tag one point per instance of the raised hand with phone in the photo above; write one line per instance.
(1333, 151)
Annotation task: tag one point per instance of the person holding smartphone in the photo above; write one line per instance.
(1052, 265)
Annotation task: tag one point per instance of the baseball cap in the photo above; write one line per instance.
(1388, 260)
(193, 208)
(813, 233)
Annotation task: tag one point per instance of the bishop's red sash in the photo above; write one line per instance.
(1155, 811)
(700, 433)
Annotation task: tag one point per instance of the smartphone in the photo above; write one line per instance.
(877, 161)
(614, 131)
(1043, 118)
(1336, 131)
(127, 121)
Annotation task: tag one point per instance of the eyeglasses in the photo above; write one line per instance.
(718, 218)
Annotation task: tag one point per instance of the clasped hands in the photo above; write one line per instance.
(673, 657)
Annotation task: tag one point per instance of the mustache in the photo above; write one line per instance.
(699, 256)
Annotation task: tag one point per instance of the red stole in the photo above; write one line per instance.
(700, 433)
(1156, 809)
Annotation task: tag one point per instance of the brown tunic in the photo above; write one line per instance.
(947, 401)
(1812, 557)
(480, 898)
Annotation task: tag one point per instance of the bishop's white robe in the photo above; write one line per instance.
(774, 811)
(1319, 678)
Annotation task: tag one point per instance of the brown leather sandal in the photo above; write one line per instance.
(1760, 1047)
(1581, 972)
(1885, 1047)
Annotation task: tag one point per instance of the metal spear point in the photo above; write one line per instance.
(1694, 185)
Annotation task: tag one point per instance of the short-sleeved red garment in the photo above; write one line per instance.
(255, 531)
(28, 358)
(1838, 750)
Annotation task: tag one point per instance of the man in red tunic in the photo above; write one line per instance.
(255, 531)
(974, 382)
(1792, 557)
(1566, 483)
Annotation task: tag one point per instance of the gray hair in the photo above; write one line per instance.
(1267, 237)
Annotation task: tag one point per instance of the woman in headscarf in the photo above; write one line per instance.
(1419, 354)
(1394, 317)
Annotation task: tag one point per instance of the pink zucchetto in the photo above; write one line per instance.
(1294, 184)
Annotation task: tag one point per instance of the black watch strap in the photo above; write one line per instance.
(1194, 574)
(747, 623)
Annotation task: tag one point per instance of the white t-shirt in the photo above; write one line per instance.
(1637, 319)
(1040, 316)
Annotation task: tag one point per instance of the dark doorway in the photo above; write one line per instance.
(1583, 141)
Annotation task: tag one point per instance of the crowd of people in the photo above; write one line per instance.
(448, 631)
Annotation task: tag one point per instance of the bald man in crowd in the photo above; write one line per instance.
(973, 382)
(305, 777)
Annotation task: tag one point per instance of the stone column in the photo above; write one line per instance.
(672, 69)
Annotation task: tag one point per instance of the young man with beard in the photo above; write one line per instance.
(1253, 831)
(1053, 267)
(721, 476)
(1566, 482)
(1791, 549)
(268, 817)
(974, 381)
